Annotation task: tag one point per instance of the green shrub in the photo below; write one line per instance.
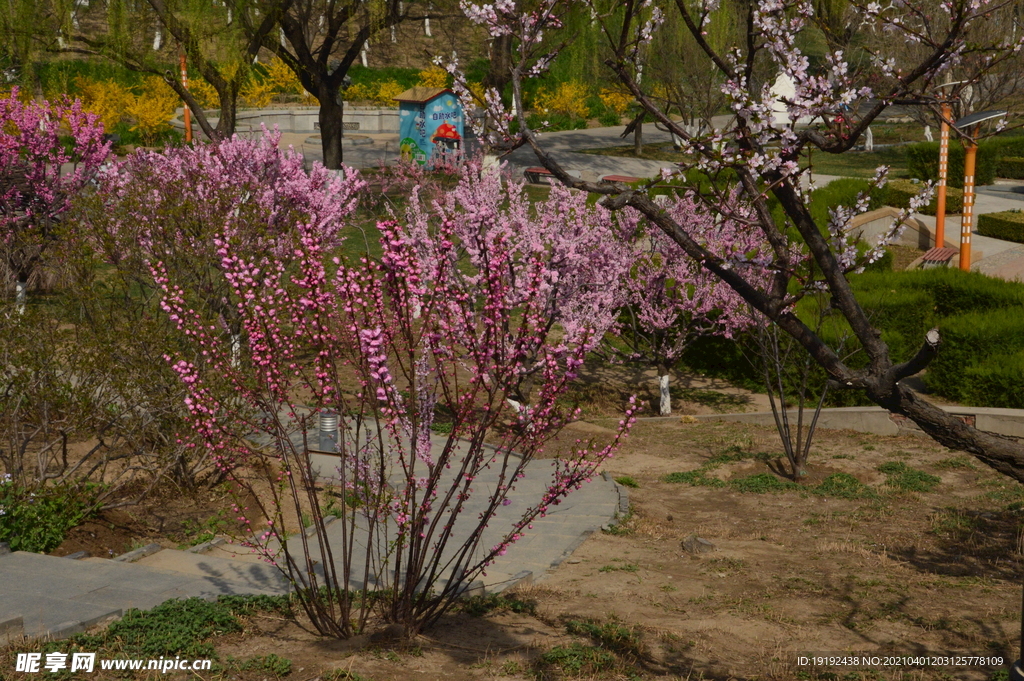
(898, 194)
(968, 339)
(923, 162)
(996, 381)
(37, 520)
(906, 311)
(1011, 167)
(1008, 225)
(953, 291)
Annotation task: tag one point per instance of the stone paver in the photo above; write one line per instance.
(59, 597)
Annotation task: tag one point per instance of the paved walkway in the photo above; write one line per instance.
(58, 597)
(996, 258)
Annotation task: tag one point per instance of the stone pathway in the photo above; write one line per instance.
(47, 596)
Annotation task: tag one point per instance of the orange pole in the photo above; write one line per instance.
(940, 199)
(967, 222)
(188, 114)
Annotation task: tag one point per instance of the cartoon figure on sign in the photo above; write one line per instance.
(447, 136)
(410, 151)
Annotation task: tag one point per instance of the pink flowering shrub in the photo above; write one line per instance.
(49, 151)
(443, 322)
(587, 249)
(672, 299)
(170, 207)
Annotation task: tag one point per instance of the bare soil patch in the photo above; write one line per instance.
(794, 572)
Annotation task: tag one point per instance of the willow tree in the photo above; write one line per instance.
(216, 47)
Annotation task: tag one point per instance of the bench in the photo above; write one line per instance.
(938, 257)
(538, 175)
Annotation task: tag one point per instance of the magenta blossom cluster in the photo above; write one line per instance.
(49, 151)
(445, 321)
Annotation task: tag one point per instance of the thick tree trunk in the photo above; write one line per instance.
(500, 71)
(228, 116)
(331, 128)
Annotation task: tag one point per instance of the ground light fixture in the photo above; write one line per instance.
(969, 126)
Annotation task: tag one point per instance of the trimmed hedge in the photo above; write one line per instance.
(923, 162)
(1011, 167)
(953, 291)
(1008, 225)
(898, 194)
(972, 340)
(997, 381)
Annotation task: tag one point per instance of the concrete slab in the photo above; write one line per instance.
(219, 570)
(880, 422)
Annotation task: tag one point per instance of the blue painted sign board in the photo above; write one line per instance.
(430, 121)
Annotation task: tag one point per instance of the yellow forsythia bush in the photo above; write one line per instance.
(435, 76)
(615, 100)
(204, 93)
(569, 99)
(152, 110)
(382, 93)
(257, 94)
(106, 98)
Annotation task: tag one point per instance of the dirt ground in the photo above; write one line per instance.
(792, 573)
(881, 564)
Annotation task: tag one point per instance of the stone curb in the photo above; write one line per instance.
(206, 545)
(135, 555)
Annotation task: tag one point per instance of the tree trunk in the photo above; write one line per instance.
(331, 128)
(638, 139)
(500, 71)
(228, 115)
(665, 405)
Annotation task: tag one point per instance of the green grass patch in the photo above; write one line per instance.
(627, 481)
(843, 486)
(628, 567)
(176, 627)
(610, 636)
(698, 478)
(956, 463)
(271, 664)
(720, 402)
(478, 606)
(762, 483)
(577, 658)
(903, 478)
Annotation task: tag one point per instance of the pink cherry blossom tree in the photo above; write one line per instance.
(589, 250)
(169, 205)
(445, 321)
(760, 151)
(49, 151)
(673, 300)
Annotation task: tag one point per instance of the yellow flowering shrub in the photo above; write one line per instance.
(257, 94)
(152, 110)
(435, 76)
(616, 100)
(569, 99)
(382, 93)
(478, 91)
(204, 93)
(106, 98)
(282, 78)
